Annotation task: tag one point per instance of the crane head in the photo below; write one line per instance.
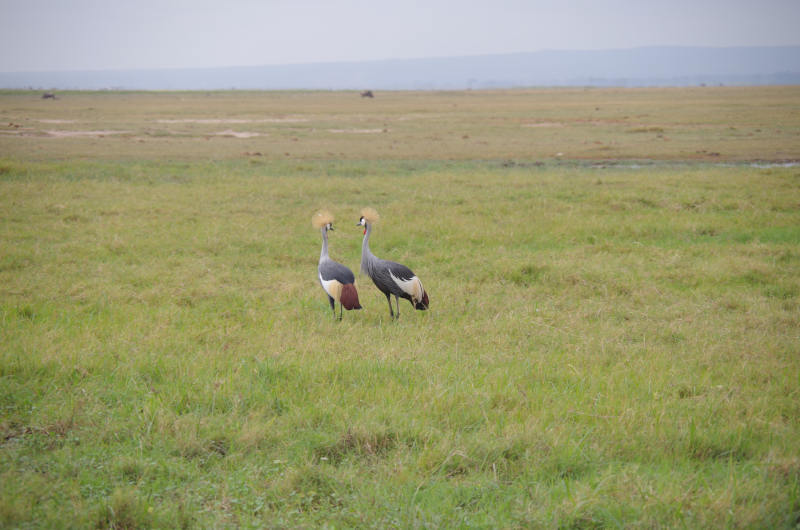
(322, 219)
(368, 215)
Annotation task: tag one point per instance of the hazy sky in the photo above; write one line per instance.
(122, 34)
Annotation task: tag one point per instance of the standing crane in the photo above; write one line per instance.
(390, 277)
(337, 280)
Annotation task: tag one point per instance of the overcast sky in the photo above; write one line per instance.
(41, 35)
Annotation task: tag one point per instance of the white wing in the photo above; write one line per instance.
(412, 287)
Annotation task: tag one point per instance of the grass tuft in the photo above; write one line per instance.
(125, 511)
(357, 443)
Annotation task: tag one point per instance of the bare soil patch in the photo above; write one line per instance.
(357, 131)
(232, 120)
(61, 134)
(55, 121)
(545, 124)
(236, 134)
(71, 134)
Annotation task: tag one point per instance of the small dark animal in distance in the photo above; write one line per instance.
(367, 94)
(48, 95)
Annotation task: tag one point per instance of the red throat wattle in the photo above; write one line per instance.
(365, 231)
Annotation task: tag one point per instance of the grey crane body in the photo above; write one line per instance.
(336, 280)
(391, 278)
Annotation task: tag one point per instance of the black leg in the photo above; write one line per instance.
(333, 305)
(397, 301)
(341, 309)
(389, 299)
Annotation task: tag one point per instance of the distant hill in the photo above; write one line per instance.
(650, 66)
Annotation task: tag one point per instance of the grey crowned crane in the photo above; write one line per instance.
(337, 280)
(390, 277)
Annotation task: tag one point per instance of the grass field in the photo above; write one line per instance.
(613, 339)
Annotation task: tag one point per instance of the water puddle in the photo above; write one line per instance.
(769, 165)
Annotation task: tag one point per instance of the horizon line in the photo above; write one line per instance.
(394, 59)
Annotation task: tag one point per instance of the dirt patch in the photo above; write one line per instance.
(236, 134)
(215, 121)
(357, 131)
(61, 134)
(71, 134)
(544, 124)
(55, 121)
(410, 117)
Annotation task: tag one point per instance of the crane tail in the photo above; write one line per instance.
(423, 304)
(349, 297)
(419, 296)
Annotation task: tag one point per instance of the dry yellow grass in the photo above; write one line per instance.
(710, 123)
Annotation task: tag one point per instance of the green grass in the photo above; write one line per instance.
(608, 359)
(608, 345)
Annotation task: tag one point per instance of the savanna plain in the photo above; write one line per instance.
(613, 338)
